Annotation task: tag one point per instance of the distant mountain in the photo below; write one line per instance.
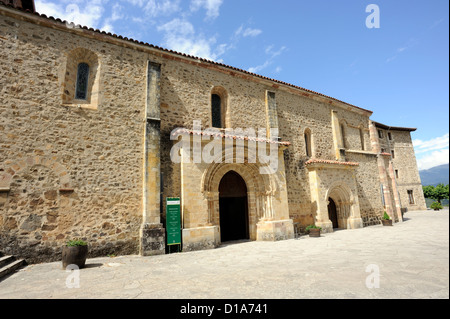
(435, 175)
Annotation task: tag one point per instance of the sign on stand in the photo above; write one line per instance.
(173, 221)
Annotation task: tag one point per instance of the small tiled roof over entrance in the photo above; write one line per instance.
(322, 161)
(229, 135)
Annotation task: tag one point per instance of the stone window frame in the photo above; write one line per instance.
(343, 128)
(222, 93)
(309, 150)
(380, 134)
(411, 198)
(73, 59)
(362, 137)
(390, 136)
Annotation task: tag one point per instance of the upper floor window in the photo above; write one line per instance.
(361, 137)
(390, 136)
(343, 135)
(308, 145)
(216, 111)
(81, 85)
(411, 197)
(393, 153)
(380, 133)
(219, 115)
(82, 81)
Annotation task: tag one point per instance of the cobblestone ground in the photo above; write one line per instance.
(412, 259)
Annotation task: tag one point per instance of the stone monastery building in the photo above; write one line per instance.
(86, 120)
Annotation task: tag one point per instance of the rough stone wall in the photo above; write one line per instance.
(44, 144)
(368, 185)
(405, 163)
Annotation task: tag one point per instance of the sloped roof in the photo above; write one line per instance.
(394, 128)
(66, 23)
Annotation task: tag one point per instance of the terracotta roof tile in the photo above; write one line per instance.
(313, 161)
(222, 134)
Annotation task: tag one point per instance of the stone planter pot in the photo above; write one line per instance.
(314, 232)
(75, 255)
(387, 222)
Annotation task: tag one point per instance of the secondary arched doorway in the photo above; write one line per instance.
(233, 207)
(332, 213)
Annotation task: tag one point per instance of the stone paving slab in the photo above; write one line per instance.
(412, 258)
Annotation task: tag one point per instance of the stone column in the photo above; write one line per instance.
(321, 205)
(271, 112)
(152, 233)
(337, 136)
(398, 206)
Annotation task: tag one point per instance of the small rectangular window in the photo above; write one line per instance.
(380, 133)
(411, 196)
(390, 136)
(396, 173)
(216, 110)
(393, 154)
(82, 81)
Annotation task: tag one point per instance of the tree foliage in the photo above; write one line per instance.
(437, 193)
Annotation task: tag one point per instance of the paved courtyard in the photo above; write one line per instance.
(408, 260)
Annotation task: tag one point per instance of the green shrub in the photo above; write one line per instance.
(436, 206)
(76, 242)
(386, 216)
(312, 227)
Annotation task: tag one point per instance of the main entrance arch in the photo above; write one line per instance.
(233, 207)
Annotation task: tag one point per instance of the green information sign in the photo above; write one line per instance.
(173, 221)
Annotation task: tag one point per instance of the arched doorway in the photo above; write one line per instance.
(332, 213)
(233, 207)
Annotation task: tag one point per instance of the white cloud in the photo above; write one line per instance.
(272, 55)
(180, 35)
(248, 32)
(85, 13)
(163, 7)
(436, 158)
(212, 7)
(433, 152)
(156, 8)
(258, 68)
(430, 145)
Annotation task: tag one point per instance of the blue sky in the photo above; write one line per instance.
(400, 71)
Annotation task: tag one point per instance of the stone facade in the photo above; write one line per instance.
(100, 168)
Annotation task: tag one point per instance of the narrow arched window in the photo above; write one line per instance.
(81, 91)
(308, 147)
(343, 135)
(216, 111)
(361, 136)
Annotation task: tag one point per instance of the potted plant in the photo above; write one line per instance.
(436, 206)
(74, 253)
(314, 231)
(387, 221)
